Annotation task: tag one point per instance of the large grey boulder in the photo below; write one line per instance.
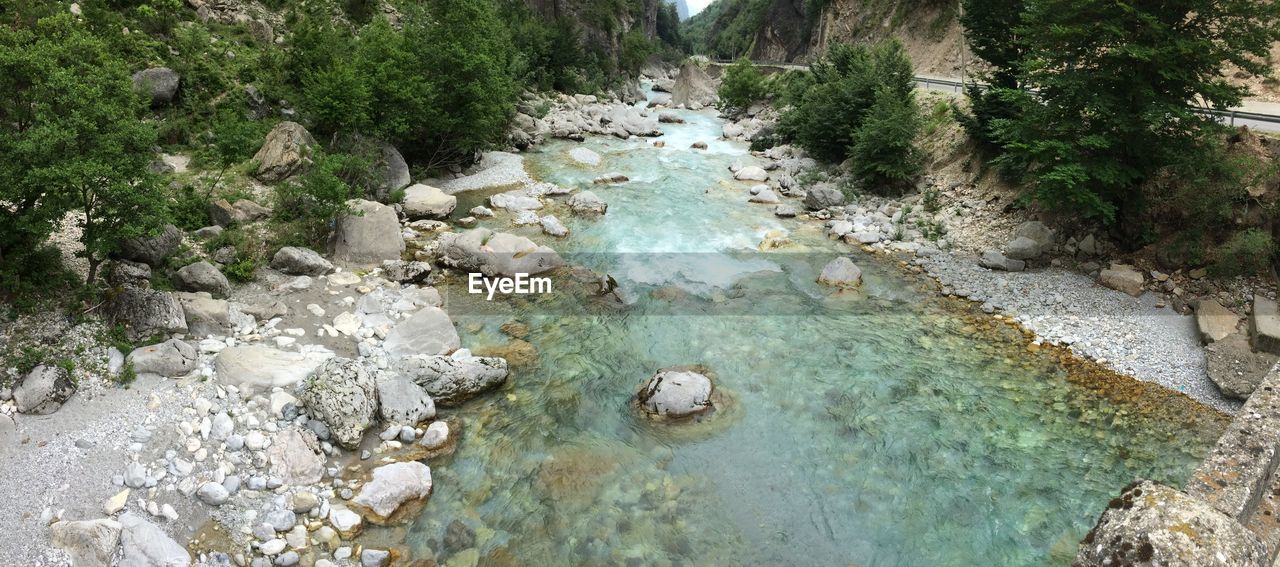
(299, 261)
(1122, 277)
(822, 197)
(400, 400)
(751, 173)
(675, 393)
(1264, 325)
(391, 487)
(1037, 232)
(694, 88)
(994, 260)
(1214, 321)
(428, 331)
(146, 312)
(90, 543)
(584, 156)
(158, 84)
(205, 316)
(515, 201)
(1022, 248)
(368, 236)
(427, 202)
(151, 250)
(144, 544)
(256, 369)
(242, 211)
(126, 273)
(452, 380)
(403, 272)
(202, 276)
(841, 272)
(43, 390)
(496, 253)
(1235, 367)
(587, 203)
(296, 457)
(1153, 524)
(343, 394)
(392, 171)
(284, 153)
(170, 358)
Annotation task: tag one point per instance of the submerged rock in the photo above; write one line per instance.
(587, 203)
(678, 392)
(391, 488)
(841, 272)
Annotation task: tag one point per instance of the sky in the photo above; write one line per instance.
(696, 6)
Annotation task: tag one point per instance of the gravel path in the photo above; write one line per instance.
(1130, 335)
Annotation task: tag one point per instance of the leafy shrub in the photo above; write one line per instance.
(241, 271)
(741, 86)
(319, 196)
(883, 151)
(1249, 252)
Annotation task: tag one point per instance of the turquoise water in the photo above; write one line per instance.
(877, 427)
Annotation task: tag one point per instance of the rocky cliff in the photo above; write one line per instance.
(604, 24)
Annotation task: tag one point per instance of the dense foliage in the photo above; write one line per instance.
(740, 86)
(726, 29)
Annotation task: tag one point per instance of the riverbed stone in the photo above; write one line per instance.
(515, 201)
(584, 156)
(452, 380)
(552, 226)
(693, 87)
(1122, 277)
(751, 173)
(994, 260)
(298, 261)
(841, 272)
(43, 390)
(823, 196)
(428, 331)
(296, 457)
(1235, 367)
(205, 316)
(343, 393)
(587, 203)
(1264, 324)
(256, 369)
(675, 393)
(202, 276)
(484, 251)
(391, 487)
(151, 250)
(1022, 248)
(765, 196)
(370, 235)
(143, 543)
(400, 400)
(284, 153)
(90, 543)
(170, 358)
(427, 202)
(1214, 321)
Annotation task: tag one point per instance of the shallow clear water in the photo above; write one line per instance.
(881, 427)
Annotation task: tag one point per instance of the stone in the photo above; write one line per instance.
(125, 273)
(751, 173)
(151, 250)
(841, 272)
(343, 394)
(669, 118)
(1088, 245)
(1022, 248)
(1214, 321)
(284, 153)
(400, 400)
(202, 276)
(1235, 367)
(481, 211)
(368, 236)
(272, 546)
(374, 558)
(675, 393)
(693, 87)
(213, 494)
(452, 380)
(698, 146)
(994, 260)
(1122, 277)
(587, 203)
(90, 543)
(610, 179)
(208, 232)
(552, 226)
(288, 559)
(43, 390)
(1037, 232)
(303, 502)
(435, 436)
(170, 358)
(256, 369)
(427, 202)
(428, 331)
(403, 272)
(490, 253)
(766, 196)
(584, 156)
(393, 172)
(295, 457)
(1153, 524)
(346, 522)
(823, 196)
(223, 213)
(143, 543)
(116, 503)
(515, 201)
(205, 316)
(280, 520)
(1264, 325)
(158, 84)
(299, 261)
(785, 211)
(391, 487)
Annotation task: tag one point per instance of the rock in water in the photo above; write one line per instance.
(391, 487)
(170, 358)
(1149, 524)
(90, 543)
(552, 226)
(295, 457)
(143, 543)
(429, 331)
(285, 152)
(694, 88)
(427, 202)
(841, 272)
(256, 369)
(587, 203)
(202, 276)
(515, 201)
(343, 393)
(43, 390)
(402, 401)
(585, 156)
(452, 380)
(492, 253)
(300, 262)
(369, 236)
(158, 84)
(1122, 277)
(678, 392)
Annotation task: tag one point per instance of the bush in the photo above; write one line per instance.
(883, 151)
(740, 87)
(1248, 253)
(319, 196)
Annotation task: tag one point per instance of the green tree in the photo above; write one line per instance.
(71, 140)
(740, 86)
(1115, 81)
(993, 31)
(337, 97)
(883, 153)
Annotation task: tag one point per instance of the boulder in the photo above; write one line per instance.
(1214, 321)
(823, 197)
(1022, 248)
(693, 88)
(144, 544)
(587, 203)
(157, 84)
(994, 260)
(392, 172)
(296, 457)
(674, 393)
(766, 197)
(256, 369)
(785, 211)
(298, 261)
(698, 146)
(202, 276)
(492, 253)
(1122, 277)
(90, 543)
(841, 272)
(170, 358)
(391, 487)
(428, 331)
(343, 394)
(610, 178)
(584, 156)
(151, 250)
(242, 211)
(403, 272)
(369, 236)
(43, 390)
(1235, 367)
(284, 153)
(1264, 325)
(146, 312)
(400, 400)
(552, 226)
(205, 316)
(123, 273)
(669, 118)
(751, 173)
(427, 202)
(1037, 232)
(1153, 524)
(518, 200)
(452, 380)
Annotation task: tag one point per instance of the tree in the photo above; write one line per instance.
(993, 31)
(741, 85)
(71, 140)
(883, 153)
(1115, 81)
